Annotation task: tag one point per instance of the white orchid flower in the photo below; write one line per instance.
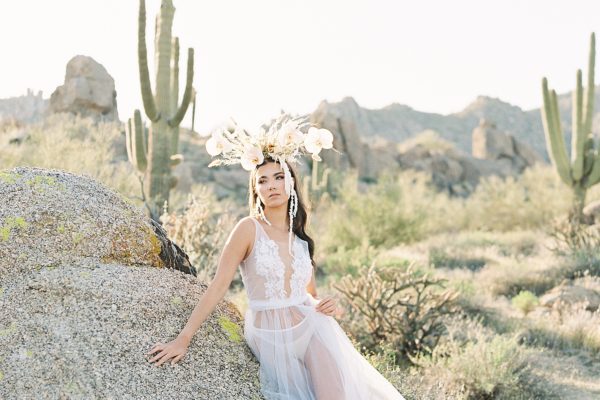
(217, 144)
(317, 139)
(252, 157)
(289, 134)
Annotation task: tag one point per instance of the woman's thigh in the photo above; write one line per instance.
(324, 371)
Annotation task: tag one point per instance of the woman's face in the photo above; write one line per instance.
(270, 185)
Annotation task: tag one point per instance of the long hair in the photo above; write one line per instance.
(301, 218)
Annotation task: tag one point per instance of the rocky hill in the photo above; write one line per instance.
(397, 122)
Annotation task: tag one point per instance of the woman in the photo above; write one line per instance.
(303, 353)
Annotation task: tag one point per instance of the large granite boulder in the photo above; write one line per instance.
(509, 154)
(369, 156)
(88, 91)
(451, 170)
(571, 293)
(84, 295)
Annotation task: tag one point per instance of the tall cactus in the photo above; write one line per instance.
(314, 187)
(155, 153)
(582, 170)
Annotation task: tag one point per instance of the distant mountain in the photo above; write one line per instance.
(398, 122)
(23, 109)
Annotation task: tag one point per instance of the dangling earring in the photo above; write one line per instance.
(293, 211)
(261, 212)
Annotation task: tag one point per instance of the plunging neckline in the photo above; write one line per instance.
(276, 243)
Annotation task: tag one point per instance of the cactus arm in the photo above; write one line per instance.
(594, 175)
(128, 141)
(174, 75)
(174, 95)
(163, 40)
(589, 104)
(553, 135)
(565, 165)
(315, 168)
(138, 142)
(187, 94)
(147, 98)
(193, 110)
(578, 135)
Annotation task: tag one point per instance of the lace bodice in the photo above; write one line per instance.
(270, 274)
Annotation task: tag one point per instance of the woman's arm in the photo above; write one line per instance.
(327, 305)
(235, 250)
(312, 286)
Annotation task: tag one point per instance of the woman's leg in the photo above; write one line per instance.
(324, 371)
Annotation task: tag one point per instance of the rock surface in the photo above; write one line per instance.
(509, 154)
(88, 91)
(84, 296)
(82, 330)
(23, 109)
(573, 293)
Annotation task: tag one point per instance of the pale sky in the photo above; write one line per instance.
(254, 58)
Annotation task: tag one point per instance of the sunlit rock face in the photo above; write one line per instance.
(84, 295)
(88, 90)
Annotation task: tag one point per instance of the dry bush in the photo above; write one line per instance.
(201, 230)
(510, 276)
(472, 362)
(580, 245)
(566, 327)
(78, 145)
(401, 308)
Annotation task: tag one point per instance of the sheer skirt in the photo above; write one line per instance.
(305, 355)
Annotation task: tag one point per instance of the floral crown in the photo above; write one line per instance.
(283, 141)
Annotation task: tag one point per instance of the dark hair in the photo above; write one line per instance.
(301, 219)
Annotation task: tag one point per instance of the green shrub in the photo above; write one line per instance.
(386, 213)
(348, 261)
(440, 258)
(525, 301)
(529, 201)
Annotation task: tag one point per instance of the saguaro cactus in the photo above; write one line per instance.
(582, 170)
(316, 185)
(154, 152)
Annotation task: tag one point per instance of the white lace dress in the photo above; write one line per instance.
(303, 354)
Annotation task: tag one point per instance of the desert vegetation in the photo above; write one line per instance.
(445, 295)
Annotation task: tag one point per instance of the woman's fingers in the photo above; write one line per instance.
(176, 359)
(159, 355)
(323, 303)
(157, 347)
(326, 306)
(164, 359)
(328, 310)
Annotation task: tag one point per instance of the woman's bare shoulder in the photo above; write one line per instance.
(244, 227)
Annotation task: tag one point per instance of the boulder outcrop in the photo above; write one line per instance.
(88, 91)
(84, 295)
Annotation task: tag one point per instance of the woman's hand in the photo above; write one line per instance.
(174, 350)
(327, 306)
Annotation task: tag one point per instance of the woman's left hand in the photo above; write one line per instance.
(327, 306)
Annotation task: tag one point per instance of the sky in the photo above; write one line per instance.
(255, 58)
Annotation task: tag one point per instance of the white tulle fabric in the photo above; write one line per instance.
(303, 354)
